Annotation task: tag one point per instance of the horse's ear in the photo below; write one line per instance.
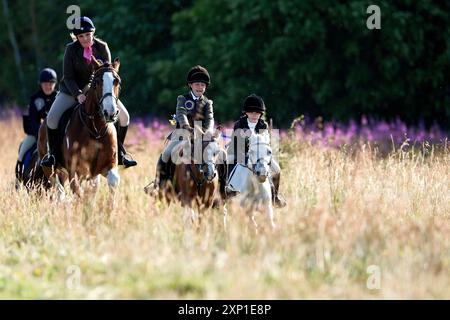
(96, 63)
(116, 64)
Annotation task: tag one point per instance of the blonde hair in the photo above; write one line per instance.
(74, 37)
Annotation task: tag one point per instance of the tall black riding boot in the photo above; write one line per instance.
(278, 202)
(19, 173)
(222, 171)
(50, 158)
(123, 160)
(162, 174)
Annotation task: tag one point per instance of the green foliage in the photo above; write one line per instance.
(303, 57)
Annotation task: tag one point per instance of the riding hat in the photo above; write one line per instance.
(254, 103)
(48, 75)
(198, 74)
(85, 25)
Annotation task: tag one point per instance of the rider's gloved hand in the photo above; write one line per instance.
(81, 98)
(188, 127)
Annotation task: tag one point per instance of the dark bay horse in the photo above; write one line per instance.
(89, 144)
(30, 174)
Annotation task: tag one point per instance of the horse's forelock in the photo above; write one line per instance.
(107, 67)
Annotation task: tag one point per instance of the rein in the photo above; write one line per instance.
(96, 134)
(83, 115)
(198, 166)
(198, 183)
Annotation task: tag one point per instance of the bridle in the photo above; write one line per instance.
(83, 114)
(199, 181)
(252, 166)
(97, 75)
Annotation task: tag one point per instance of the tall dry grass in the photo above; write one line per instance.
(346, 211)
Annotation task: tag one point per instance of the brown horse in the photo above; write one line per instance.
(195, 179)
(89, 144)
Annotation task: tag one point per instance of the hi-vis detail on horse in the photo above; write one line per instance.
(238, 177)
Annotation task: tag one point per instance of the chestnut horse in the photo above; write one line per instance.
(89, 144)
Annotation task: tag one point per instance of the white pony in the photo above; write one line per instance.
(251, 181)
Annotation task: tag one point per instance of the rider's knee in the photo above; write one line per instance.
(275, 167)
(124, 116)
(52, 121)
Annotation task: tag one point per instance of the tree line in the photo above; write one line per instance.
(303, 57)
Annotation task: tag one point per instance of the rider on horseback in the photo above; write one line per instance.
(40, 103)
(192, 106)
(250, 123)
(77, 74)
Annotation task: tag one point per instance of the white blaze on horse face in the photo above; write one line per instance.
(260, 153)
(211, 151)
(109, 103)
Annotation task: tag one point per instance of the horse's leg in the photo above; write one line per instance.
(93, 186)
(59, 185)
(253, 220)
(225, 216)
(113, 178)
(75, 184)
(188, 216)
(269, 212)
(267, 202)
(251, 208)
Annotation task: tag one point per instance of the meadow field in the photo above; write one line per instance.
(360, 224)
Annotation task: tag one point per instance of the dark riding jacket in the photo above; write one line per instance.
(77, 72)
(189, 111)
(38, 108)
(240, 137)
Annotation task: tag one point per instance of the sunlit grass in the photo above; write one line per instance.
(347, 210)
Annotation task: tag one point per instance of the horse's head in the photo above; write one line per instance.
(260, 155)
(106, 88)
(211, 150)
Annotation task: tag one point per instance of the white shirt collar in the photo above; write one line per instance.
(194, 97)
(251, 125)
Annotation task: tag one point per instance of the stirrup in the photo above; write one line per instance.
(152, 188)
(48, 161)
(230, 192)
(279, 201)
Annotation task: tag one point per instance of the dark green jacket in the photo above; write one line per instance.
(189, 111)
(76, 72)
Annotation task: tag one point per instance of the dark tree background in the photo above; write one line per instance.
(304, 57)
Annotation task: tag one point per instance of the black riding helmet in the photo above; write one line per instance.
(48, 75)
(254, 103)
(85, 25)
(198, 74)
